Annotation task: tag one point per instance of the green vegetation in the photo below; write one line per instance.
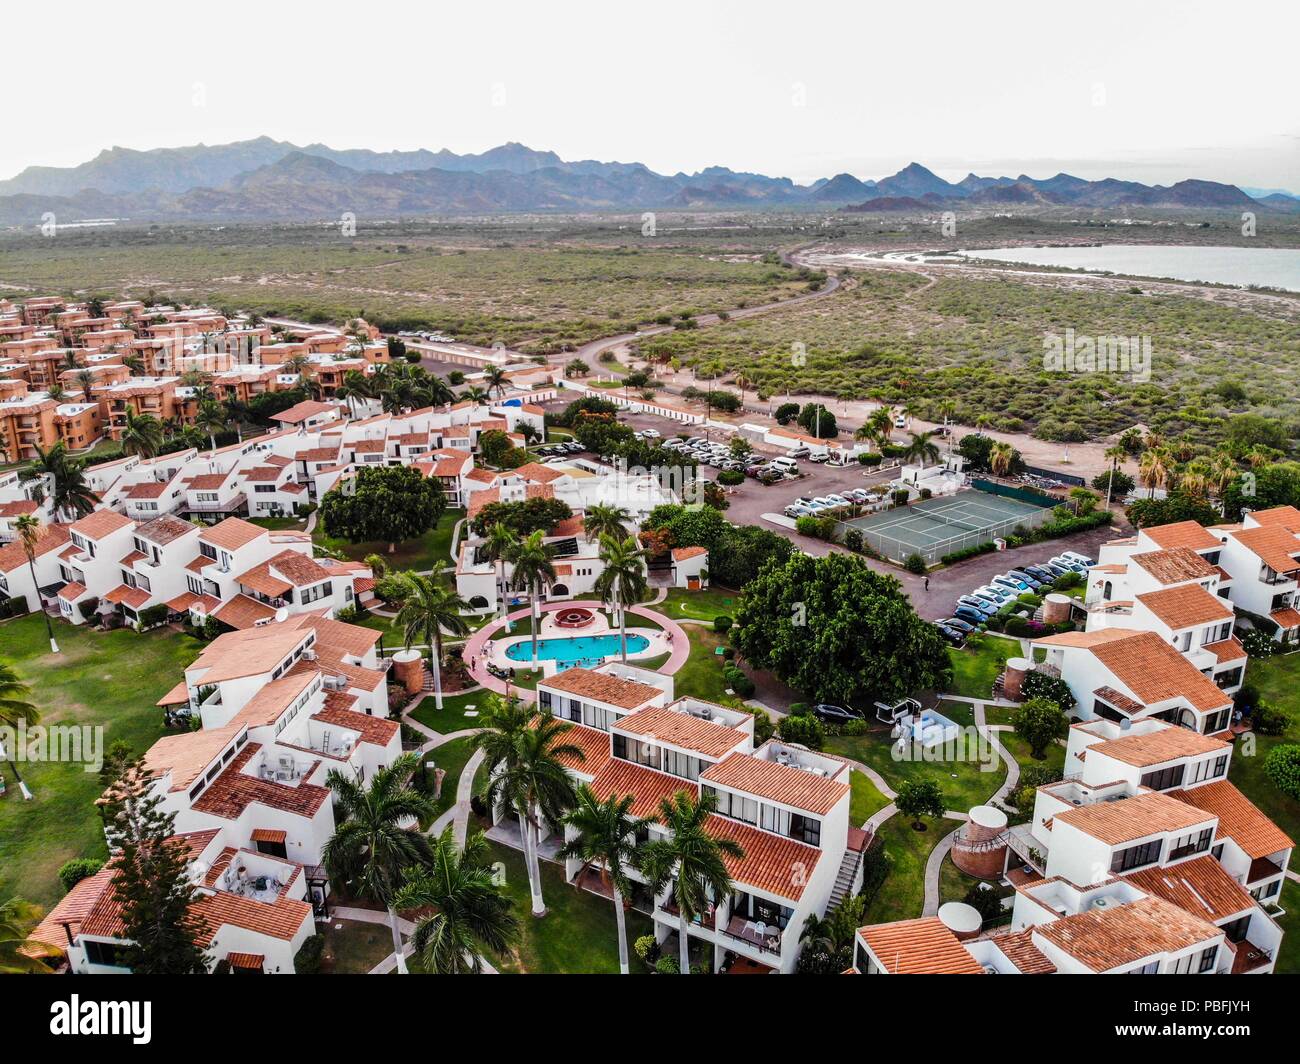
(1276, 679)
(1288, 957)
(432, 550)
(108, 679)
(864, 799)
(452, 718)
(974, 668)
(353, 948)
(451, 758)
(902, 895)
(701, 605)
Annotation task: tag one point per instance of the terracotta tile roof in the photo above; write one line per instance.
(594, 745)
(234, 791)
(1239, 818)
(1287, 618)
(246, 653)
(919, 947)
(350, 639)
(1086, 640)
(666, 725)
(197, 565)
(1119, 700)
(208, 481)
(538, 473)
(243, 613)
(100, 523)
(1229, 649)
(231, 534)
(374, 730)
(1175, 565)
(187, 755)
(1130, 819)
(265, 707)
(1103, 939)
(301, 412)
(247, 961)
(177, 696)
(1181, 534)
(70, 592)
(483, 476)
(1185, 606)
(680, 554)
(778, 783)
(281, 919)
(1155, 671)
(1287, 517)
(188, 600)
(50, 537)
(73, 909)
(646, 785)
(263, 474)
(1157, 747)
(128, 560)
(164, 530)
(602, 687)
(131, 597)
(772, 863)
(1200, 886)
(1273, 545)
(18, 508)
(1020, 950)
(151, 489)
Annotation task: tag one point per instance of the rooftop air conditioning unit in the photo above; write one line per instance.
(991, 970)
(1100, 903)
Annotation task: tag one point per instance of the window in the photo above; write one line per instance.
(1146, 969)
(1185, 845)
(1236, 931)
(806, 829)
(1208, 957)
(1163, 778)
(683, 765)
(1135, 856)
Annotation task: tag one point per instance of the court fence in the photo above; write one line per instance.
(893, 543)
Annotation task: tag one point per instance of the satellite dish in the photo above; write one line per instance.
(281, 615)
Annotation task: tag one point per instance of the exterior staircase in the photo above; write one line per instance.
(844, 878)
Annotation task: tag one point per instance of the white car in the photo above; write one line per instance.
(651, 434)
(839, 500)
(994, 592)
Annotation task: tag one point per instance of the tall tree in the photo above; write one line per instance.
(388, 504)
(690, 859)
(29, 534)
(606, 519)
(16, 708)
(69, 494)
(528, 775)
(373, 846)
(500, 547)
(16, 950)
(622, 581)
(921, 449)
(429, 609)
(604, 838)
(151, 883)
(142, 434)
(210, 419)
(466, 911)
(535, 570)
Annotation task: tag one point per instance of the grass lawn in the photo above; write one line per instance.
(577, 934)
(108, 679)
(279, 524)
(864, 798)
(962, 713)
(954, 884)
(1053, 758)
(902, 895)
(430, 551)
(451, 758)
(452, 718)
(700, 605)
(962, 782)
(975, 668)
(701, 673)
(353, 948)
(1288, 957)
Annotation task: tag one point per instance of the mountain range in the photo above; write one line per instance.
(270, 180)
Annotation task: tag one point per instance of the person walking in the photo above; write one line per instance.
(927, 583)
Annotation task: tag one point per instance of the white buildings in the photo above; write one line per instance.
(281, 705)
(786, 807)
(1262, 555)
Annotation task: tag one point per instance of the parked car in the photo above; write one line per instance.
(967, 613)
(994, 592)
(801, 451)
(1011, 583)
(839, 499)
(820, 456)
(953, 637)
(1041, 573)
(1082, 559)
(961, 626)
(1020, 574)
(652, 434)
(796, 509)
(986, 608)
(835, 714)
(1072, 566)
(858, 495)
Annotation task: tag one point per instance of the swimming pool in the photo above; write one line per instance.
(585, 650)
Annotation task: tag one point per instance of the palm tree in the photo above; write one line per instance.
(622, 582)
(1154, 468)
(210, 418)
(70, 495)
(500, 547)
(605, 838)
(1195, 479)
(876, 428)
(528, 774)
(921, 448)
(691, 859)
(1116, 454)
(476, 395)
(982, 421)
(15, 708)
(371, 848)
(534, 569)
(427, 609)
(496, 380)
(470, 912)
(142, 434)
(29, 534)
(1002, 457)
(16, 949)
(295, 364)
(85, 381)
(605, 519)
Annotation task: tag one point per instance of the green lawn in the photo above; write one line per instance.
(354, 948)
(1288, 957)
(1053, 758)
(108, 679)
(577, 935)
(452, 718)
(279, 524)
(864, 798)
(430, 551)
(902, 895)
(701, 673)
(701, 605)
(975, 668)
(954, 883)
(451, 758)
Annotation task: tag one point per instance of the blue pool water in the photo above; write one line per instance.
(568, 651)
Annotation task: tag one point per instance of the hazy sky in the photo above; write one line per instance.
(1145, 90)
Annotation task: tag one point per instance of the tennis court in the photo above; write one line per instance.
(939, 526)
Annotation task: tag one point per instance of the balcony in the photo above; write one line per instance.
(1248, 957)
(1262, 868)
(766, 937)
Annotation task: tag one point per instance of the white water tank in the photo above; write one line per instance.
(961, 919)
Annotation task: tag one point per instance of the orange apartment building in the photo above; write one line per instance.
(29, 420)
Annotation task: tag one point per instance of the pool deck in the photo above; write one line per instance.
(673, 638)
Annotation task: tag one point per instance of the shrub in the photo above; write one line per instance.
(17, 606)
(731, 477)
(1053, 688)
(646, 948)
(853, 539)
(73, 872)
(667, 965)
(722, 623)
(799, 709)
(914, 563)
(1282, 766)
(985, 902)
(738, 682)
(1040, 722)
(1270, 719)
(786, 413)
(307, 962)
(806, 730)
(153, 616)
(968, 552)
(764, 729)
(1257, 644)
(854, 727)
(870, 458)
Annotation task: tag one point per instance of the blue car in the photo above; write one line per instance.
(1012, 583)
(969, 615)
(1020, 574)
(982, 605)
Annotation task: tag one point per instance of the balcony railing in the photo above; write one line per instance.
(766, 937)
